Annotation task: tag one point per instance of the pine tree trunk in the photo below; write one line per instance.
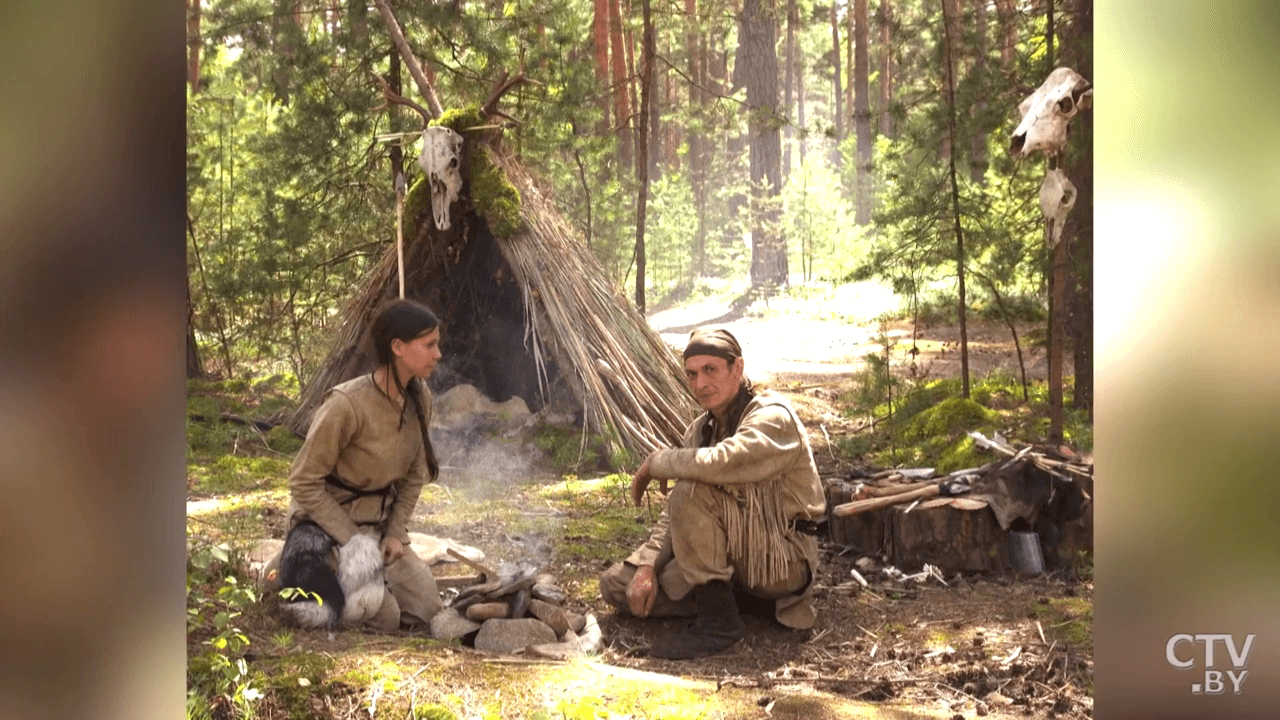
(948, 29)
(193, 45)
(862, 114)
(951, 32)
(393, 82)
(695, 69)
(621, 104)
(1079, 169)
(800, 121)
(838, 96)
(600, 41)
(789, 75)
(1057, 281)
(1007, 12)
(642, 164)
(886, 68)
(195, 368)
(848, 63)
(633, 77)
(760, 72)
(656, 147)
(978, 149)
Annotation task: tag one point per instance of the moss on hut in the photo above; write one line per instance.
(493, 196)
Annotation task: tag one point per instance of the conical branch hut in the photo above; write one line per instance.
(526, 309)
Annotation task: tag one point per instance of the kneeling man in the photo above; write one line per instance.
(746, 486)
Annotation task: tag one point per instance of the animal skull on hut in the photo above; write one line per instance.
(441, 161)
(1048, 111)
(1057, 197)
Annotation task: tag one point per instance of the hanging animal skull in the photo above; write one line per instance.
(1048, 111)
(441, 161)
(1057, 197)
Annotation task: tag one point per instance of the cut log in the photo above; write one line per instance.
(891, 490)
(858, 506)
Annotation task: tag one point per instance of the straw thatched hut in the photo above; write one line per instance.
(527, 310)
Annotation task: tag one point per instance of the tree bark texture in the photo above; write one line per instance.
(886, 68)
(948, 28)
(788, 85)
(621, 102)
(642, 166)
(195, 368)
(633, 77)
(1006, 10)
(862, 114)
(695, 48)
(393, 113)
(978, 141)
(848, 62)
(600, 42)
(760, 71)
(837, 96)
(193, 45)
(1079, 169)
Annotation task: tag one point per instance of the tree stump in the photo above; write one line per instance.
(954, 540)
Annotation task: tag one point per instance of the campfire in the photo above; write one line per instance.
(516, 609)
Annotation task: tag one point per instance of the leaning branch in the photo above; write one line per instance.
(500, 87)
(402, 45)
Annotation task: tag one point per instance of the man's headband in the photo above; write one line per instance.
(717, 343)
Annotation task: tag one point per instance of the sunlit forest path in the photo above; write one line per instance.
(823, 336)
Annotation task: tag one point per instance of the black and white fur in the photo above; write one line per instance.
(351, 594)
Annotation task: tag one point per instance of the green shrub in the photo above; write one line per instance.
(217, 594)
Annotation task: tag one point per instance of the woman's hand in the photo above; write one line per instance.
(392, 550)
(642, 591)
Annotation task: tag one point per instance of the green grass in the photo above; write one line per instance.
(1067, 620)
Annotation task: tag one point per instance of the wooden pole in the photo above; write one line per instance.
(400, 228)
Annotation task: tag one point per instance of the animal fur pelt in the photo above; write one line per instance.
(350, 594)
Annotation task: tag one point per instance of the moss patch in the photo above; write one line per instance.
(494, 198)
(1068, 620)
(951, 416)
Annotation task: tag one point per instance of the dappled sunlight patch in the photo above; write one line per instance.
(572, 489)
(254, 501)
(239, 474)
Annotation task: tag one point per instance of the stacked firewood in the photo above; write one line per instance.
(923, 487)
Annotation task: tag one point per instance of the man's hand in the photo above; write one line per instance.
(392, 550)
(640, 482)
(642, 592)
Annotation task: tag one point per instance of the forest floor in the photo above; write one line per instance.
(993, 645)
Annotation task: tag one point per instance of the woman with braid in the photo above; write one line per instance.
(356, 480)
(740, 516)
